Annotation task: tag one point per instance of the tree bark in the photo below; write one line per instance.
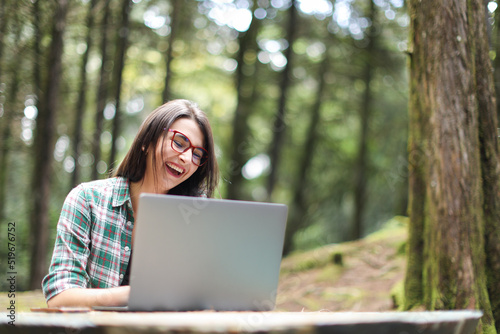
(279, 126)
(43, 150)
(489, 157)
(82, 94)
(362, 161)
(119, 64)
(496, 62)
(454, 173)
(102, 91)
(245, 89)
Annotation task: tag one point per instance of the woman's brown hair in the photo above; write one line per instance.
(153, 129)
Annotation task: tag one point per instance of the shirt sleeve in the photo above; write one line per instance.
(71, 250)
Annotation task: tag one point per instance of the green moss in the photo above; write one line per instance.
(329, 273)
(398, 295)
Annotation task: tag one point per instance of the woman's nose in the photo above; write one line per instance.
(186, 155)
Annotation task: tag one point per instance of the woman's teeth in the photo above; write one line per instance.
(176, 168)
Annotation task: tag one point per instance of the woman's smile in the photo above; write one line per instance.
(174, 169)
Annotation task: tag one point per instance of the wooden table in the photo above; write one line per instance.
(442, 322)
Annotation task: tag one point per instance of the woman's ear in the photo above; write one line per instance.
(144, 149)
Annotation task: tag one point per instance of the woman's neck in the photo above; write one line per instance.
(137, 188)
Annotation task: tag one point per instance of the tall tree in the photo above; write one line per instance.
(362, 163)
(4, 18)
(299, 203)
(37, 50)
(279, 120)
(453, 253)
(119, 64)
(245, 88)
(174, 25)
(10, 107)
(102, 89)
(43, 146)
(82, 94)
(496, 62)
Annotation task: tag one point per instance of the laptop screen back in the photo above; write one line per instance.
(197, 253)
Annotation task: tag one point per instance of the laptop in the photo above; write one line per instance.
(193, 253)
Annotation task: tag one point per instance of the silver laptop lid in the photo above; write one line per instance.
(198, 253)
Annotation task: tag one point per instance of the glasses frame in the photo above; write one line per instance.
(191, 146)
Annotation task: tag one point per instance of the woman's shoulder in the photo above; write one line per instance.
(103, 187)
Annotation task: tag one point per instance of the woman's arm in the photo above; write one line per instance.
(91, 297)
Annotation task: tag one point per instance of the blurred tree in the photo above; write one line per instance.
(37, 50)
(82, 94)
(362, 164)
(496, 61)
(118, 66)
(245, 90)
(299, 203)
(4, 19)
(102, 89)
(43, 147)
(11, 105)
(454, 242)
(279, 126)
(174, 25)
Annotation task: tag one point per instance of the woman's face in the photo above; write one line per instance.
(173, 167)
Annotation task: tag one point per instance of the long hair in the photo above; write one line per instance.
(152, 131)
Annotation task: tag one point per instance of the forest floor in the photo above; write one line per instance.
(357, 276)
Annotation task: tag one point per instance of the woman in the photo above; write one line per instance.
(173, 153)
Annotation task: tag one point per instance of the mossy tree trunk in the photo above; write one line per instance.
(453, 159)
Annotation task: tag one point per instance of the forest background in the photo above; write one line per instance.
(308, 101)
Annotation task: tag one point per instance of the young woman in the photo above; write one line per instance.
(173, 153)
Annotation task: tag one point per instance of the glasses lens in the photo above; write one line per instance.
(199, 156)
(180, 143)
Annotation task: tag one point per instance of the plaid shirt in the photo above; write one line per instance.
(94, 238)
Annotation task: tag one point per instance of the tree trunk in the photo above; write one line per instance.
(10, 108)
(102, 91)
(119, 64)
(3, 30)
(175, 16)
(362, 164)
(82, 94)
(299, 204)
(454, 173)
(279, 121)
(490, 168)
(245, 89)
(37, 50)
(43, 150)
(496, 62)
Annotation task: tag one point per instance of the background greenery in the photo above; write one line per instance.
(204, 64)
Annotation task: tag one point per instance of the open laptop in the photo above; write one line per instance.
(194, 253)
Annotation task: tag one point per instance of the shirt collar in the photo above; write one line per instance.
(121, 191)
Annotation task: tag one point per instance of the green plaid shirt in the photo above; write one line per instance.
(94, 238)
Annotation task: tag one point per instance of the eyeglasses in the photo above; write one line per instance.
(181, 143)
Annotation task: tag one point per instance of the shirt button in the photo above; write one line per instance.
(127, 248)
(129, 223)
(121, 276)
